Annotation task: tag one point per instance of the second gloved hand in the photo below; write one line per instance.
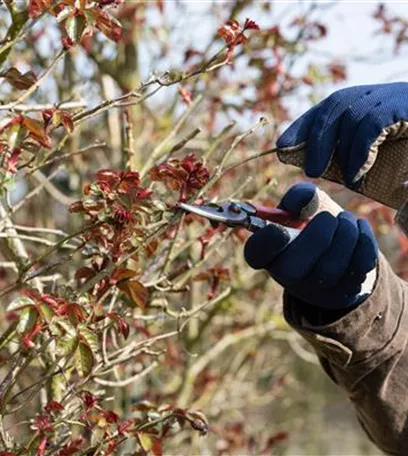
(352, 122)
(327, 264)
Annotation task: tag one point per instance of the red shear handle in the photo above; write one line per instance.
(275, 215)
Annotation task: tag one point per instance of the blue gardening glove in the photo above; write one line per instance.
(353, 122)
(328, 264)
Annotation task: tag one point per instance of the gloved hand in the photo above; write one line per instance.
(354, 121)
(330, 260)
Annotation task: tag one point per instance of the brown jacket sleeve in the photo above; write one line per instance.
(365, 352)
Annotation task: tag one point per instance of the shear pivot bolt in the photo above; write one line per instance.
(233, 207)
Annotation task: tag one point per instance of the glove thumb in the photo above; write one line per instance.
(305, 200)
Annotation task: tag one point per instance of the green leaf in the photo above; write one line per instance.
(15, 135)
(19, 303)
(67, 344)
(28, 317)
(75, 26)
(146, 442)
(84, 360)
(63, 15)
(46, 312)
(61, 327)
(90, 18)
(89, 338)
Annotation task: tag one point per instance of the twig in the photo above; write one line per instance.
(105, 331)
(253, 157)
(9, 265)
(161, 81)
(68, 105)
(68, 155)
(124, 355)
(213, 302)
(183, 142)
(52, 190)
(217, 141)
(127, 381)
(30, 195)
(160, 149)
(15, 245)
(223, 344)
(35, 229)
(171, 248)
(220, 168)
(35, 239)
(85, 115)
(129, 146)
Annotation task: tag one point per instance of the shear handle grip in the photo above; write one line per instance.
(280, 216)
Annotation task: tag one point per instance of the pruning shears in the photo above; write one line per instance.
(253, 217)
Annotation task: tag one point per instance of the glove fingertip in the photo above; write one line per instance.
(298, 197)
(319, 152)
(265, 245)
(298, 131)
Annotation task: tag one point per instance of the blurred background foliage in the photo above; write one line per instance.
(150, 330)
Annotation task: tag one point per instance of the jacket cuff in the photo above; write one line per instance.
(364, 337)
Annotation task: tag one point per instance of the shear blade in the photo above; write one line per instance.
(214, 213)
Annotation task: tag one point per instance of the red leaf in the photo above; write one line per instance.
(42, 423)
(151, 248)
(110, 417)
(229, 31)
(37, 131)
(107, 179)
(337, 71)
(84, 273)
(108, 25)
(157, 447)
(89, 399)
(121, 324)
(275, 439)
(160, 5)
(67, 43)
(185, 95)
(74, 311)
(54, 406)
(13, 160)
(71, 447)
(185, 175)
(111, 447)
(250, 25)
(37, 7)
(136, 291)
(109, 2)
(124, 426)
(42, 447)
(20, 81)
(64, 118)
(76, 207)
(122, 274)
(27, 339)
(129, 180)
